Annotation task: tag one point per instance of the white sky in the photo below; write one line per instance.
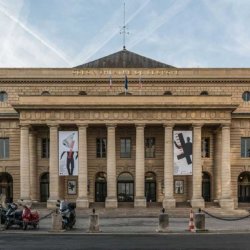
(182, 33)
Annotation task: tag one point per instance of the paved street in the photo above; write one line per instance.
(173, 242)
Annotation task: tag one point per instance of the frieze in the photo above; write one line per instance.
(126, 116)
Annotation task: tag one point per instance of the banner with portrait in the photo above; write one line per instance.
(183, 152)
(68, 153)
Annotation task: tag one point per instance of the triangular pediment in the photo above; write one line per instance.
(124, 59)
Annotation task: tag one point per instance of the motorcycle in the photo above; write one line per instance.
(67, 210)
(12, 216)
(3, 211)
(29, 217)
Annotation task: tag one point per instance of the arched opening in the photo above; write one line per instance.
(125, 190)
(44, 187)
(3, 96)
(150, 187)
(6, 186)
(82, 93)
(244, 187)
(204, 93)
(206, 187)
(100, 187)
(167, 93)
(45, 93)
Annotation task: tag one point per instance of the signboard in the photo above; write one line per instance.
(68, 153)
(183, 148)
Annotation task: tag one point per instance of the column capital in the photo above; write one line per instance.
(24, 126)
(53, 125)
(197, 125)
(226, 125)
(140, 125)
(111, 125)
(82, 125)
(168, 125)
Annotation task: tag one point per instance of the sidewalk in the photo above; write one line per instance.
(141, 224)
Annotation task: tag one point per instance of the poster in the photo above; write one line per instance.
(68, 153)
(183, 148)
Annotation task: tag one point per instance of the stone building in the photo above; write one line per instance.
(125, 138)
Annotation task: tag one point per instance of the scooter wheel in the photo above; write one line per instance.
(35, 226)
(7, 225)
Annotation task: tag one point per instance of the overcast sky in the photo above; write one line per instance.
(182, 33)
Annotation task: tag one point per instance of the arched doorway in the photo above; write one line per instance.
(244, 187)
(6, 186)
(125, 188)
(44, 187)
(150, 187)
(100, 187)
(206, 186)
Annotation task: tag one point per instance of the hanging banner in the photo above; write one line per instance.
(183, 148)
(68, 153)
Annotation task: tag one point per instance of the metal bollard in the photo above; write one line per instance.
(163, 222)
(199, 221)
(94, 223)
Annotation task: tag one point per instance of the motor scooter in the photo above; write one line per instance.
(12, 216)
(67, 210)
(29, 217)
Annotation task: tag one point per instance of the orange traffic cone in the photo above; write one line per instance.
(191, 222)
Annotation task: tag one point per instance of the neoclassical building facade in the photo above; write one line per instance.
(126, 138)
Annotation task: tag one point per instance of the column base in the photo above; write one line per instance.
(198, 203)
(227, 203)
(111, 202)
(168, 203)
(140, 202)
(51, 204)
(82, 202)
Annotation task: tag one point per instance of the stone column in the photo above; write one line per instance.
(82, 200)
(111, 200)
(33, 166)
(140, 200)
(226, 200)
(168, 201)
(24, 164)
(54, 188)
(197, 200)
(217, 165)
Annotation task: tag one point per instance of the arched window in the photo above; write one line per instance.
(100, 187)
(44, 187)
(45, 93)
(206, 186)
(82, 93)
(3, 96)
(244, 187)
(6, 186)
(125, 190)
(150, 187)
(123, 93)
(246, 96)
(167, 93)
(204, 93)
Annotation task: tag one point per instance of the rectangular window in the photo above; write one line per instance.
(125, 148)
(45, 147)
(101, 147)
(245, 147)
(205, 147)
(4, 148)
(150, 147)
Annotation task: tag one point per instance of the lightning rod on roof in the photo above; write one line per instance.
(124, 29)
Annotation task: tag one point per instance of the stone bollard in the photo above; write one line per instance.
(163, 222)
(56, 223)
(94, 223)
(199, 221)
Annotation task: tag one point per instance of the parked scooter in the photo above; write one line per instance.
(29, 218)
(12, 216)
(67, 210)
